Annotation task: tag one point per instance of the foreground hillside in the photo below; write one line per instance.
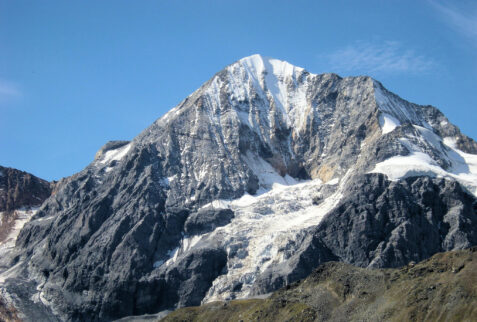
(442, 288)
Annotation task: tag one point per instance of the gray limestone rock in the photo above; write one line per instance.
(134, 233)
(388, 224)
(206, 220)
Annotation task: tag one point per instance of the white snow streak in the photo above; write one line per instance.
(116, 154)
(22, 217)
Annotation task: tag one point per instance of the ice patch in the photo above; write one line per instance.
(167, 181)
(264, 225)
(333, 181)
(185, 245)
(430, 137)
(464, 165)
(415, 164)
(22, 217)
(116, 154)
(418, 163)
(45, 218)
(268, 177)
(388, 123)
(218, 204)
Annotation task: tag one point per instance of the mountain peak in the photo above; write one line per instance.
(245, 186)
(256, 64)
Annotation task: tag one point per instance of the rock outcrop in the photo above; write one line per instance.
(20, 189)
(20, 192)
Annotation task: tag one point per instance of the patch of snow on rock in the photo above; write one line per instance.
(418, 162)
(22, 217)
(388, 123)
(267, 175)
(392, 106)
(116, 154)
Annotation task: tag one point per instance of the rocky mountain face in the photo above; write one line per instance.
(20, 194)
(250, 183)
(20, 189)
(380, 223)
(442, 288)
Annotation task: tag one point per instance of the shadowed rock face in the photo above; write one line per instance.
(137, 231)
(389, 224)
(20, 189)
(206, 220)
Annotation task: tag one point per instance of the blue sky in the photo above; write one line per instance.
(76, 74)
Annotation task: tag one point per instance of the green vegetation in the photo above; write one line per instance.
(442, 288)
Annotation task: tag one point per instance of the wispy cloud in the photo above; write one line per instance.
(385, 57)
(460, 15)
(8, 90)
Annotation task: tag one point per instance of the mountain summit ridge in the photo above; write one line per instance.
(248, 184)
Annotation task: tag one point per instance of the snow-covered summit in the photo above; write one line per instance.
(257, 64)
(281, 86)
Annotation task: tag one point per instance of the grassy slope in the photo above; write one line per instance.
(442, 288)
